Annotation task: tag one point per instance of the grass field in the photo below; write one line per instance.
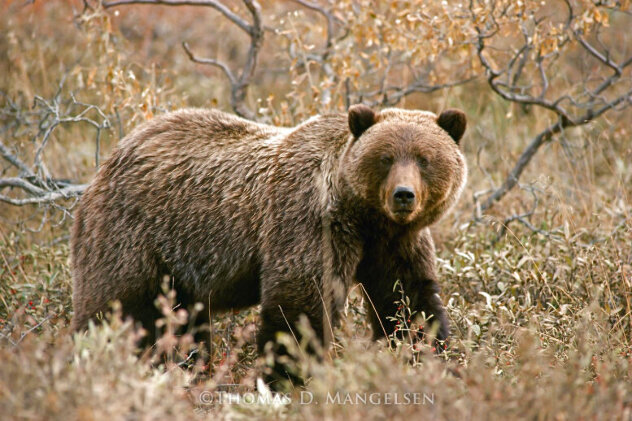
(540, 305)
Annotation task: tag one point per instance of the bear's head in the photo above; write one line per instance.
(405, 164)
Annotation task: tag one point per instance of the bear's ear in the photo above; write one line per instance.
(453, 121)
(361, 118)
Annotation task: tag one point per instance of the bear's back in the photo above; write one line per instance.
(180, 189)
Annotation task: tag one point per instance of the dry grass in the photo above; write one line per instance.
(542, 321)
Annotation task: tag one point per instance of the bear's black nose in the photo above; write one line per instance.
(403, 196)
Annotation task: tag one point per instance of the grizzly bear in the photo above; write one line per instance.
(238, 213)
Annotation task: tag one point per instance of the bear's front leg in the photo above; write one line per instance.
(286, 297)
(413, 265)
(424, 298)
(309, 276)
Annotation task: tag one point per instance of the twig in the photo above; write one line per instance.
(522, 218)
(212, 62)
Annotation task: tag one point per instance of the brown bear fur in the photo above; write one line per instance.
(239, 213)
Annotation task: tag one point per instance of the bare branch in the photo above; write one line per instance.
(212, 62)
(15, 161)
(240, 82)
(416, 87)
(65, 193)
(492, 76)
(592, 50)
(220, 7)
(582, 108)
(524, 159)
(238, 96)
(33, 184)
(523, 218)
(543, 137)
(22, 184)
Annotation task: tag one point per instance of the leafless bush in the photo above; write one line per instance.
(525, 68)
(26, 178)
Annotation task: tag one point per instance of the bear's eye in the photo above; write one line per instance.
(386, 160)
(422, 161)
